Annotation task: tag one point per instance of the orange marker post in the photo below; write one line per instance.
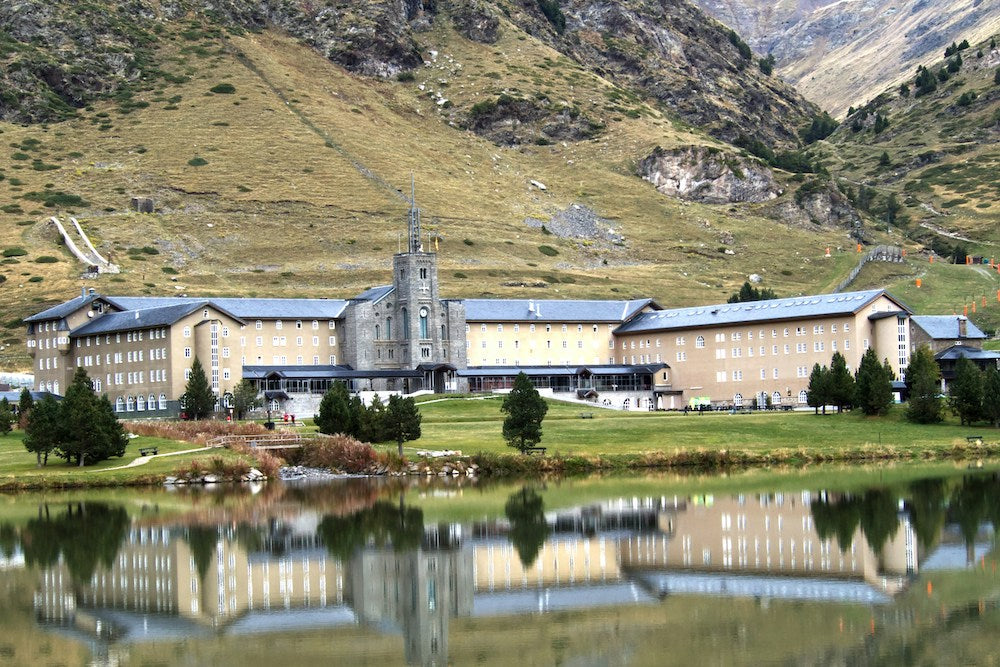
(973, 305)
(965, 311)
(998, 296)
(930, 588)
(859, 247)
(931, 258)
(984, 302)
(919, 282)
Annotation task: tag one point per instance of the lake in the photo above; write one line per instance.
(839, 565)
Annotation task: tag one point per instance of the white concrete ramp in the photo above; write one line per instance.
(88, 253)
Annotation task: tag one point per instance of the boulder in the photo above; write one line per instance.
(708, 175)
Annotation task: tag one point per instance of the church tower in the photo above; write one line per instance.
(430, 331)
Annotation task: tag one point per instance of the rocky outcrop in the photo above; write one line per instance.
(817, 202)
(511, 121)
(675, 54)
(708, 175)
(473, 20)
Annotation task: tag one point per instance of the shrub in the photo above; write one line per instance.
(551, 10)
(223, 88)
(14, 252)
(548, 250)
(56, 198)
(169, 270)
(35, 279)
(46, 259)
(468, 242)
(339, 452)
(197, 162)
(198, 432)
(405, 76)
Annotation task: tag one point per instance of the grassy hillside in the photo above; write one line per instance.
(289, 185)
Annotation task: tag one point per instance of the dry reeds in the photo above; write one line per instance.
(198, 432)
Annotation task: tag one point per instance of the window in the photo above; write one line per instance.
(298, 324)
(315, 341)
(681, 356)
(680, 340)
(847, 327)
(332, 324)
(564, 328)
(738, 401)
(737, 336)
(187, 352)
(258, 325)
(720, 338)
(847, 344)
(548, 328)
(187, 373)
(260, 341)
(482, 328)
(763, 374)
(406, 324)
(315, 324)
(298, 341)
(119, 403)
(186, 332)
(531, 328)
(774, 373)
(517, 327)
(737, 376)
(278, 324)
(803, 397)
(737, 352)
(699, 341)
(720, 353)
(225, 332)
(818, 346)
(163, 402)
(785, 334)
(423, 323)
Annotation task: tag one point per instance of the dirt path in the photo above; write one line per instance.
(142, 460)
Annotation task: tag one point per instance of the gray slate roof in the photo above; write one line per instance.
(941, 327)
(248, 309)
(822, 305)
(552, 310)
(131, 320)
(324, 371)
(62, 310)
(375, 294)
(972, 353)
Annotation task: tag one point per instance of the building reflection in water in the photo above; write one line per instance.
(384, 568)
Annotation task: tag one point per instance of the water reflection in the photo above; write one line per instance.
(359, 554)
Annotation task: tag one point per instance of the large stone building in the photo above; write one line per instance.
(630, 354)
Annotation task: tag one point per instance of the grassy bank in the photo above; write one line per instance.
(607, 441)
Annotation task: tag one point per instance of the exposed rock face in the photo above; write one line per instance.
(510, 121)
(674, 53)
(841, 53)
(818, 203)
(708, 176)
(473, 20)
(579, 222)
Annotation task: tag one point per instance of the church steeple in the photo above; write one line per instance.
(414, 223)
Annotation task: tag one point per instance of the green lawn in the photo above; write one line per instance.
(474, 426)
(18, 466)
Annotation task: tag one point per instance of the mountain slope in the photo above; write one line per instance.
(837, 51)
(286, 180)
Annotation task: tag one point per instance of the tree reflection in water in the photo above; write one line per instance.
(85, 535)
(528, 528)
(383, 524)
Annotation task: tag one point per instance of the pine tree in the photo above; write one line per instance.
(89, 431)
(991, 396)
(965, 392)
(923, 381)
(6, 417)
(198, 401)
(245, 398)
(873, 385)
(371, 426)
(402, 420)
(24, 405)
(335, 410)
(42, 431)
(884, 160)
(525, 410)
(840, 383)
(818, 392)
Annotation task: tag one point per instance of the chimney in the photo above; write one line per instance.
(963, 327)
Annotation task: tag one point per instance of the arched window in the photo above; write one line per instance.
(388, 328)
(140, 403)
(776, 398)
(443, 336)
(738, 401)
(119, 405)
(423, 323)
(130, 404)
(151, 404)
(699, 341)
(163, 401)
(803, 397)
(377, 329)
(55, 387)
(406, 325)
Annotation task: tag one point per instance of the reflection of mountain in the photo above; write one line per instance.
(382, 569)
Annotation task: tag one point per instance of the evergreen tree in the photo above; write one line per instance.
(749, 293)
(198, 401)
(818, 392)
(892, 208)
(371, 427)
(925, 82)
(996, 77)
(884, 160)
(89, 430)
(525, 410)
(904, 90)
(335, 410)
(873, 385)
(24, 405)
(42, 432)
(840, 383)
(965, 392)
(245, 398)
(6, 417)
(402, 420)
(767, 65)
(991, 396)
(357, 414)
(923, 381)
